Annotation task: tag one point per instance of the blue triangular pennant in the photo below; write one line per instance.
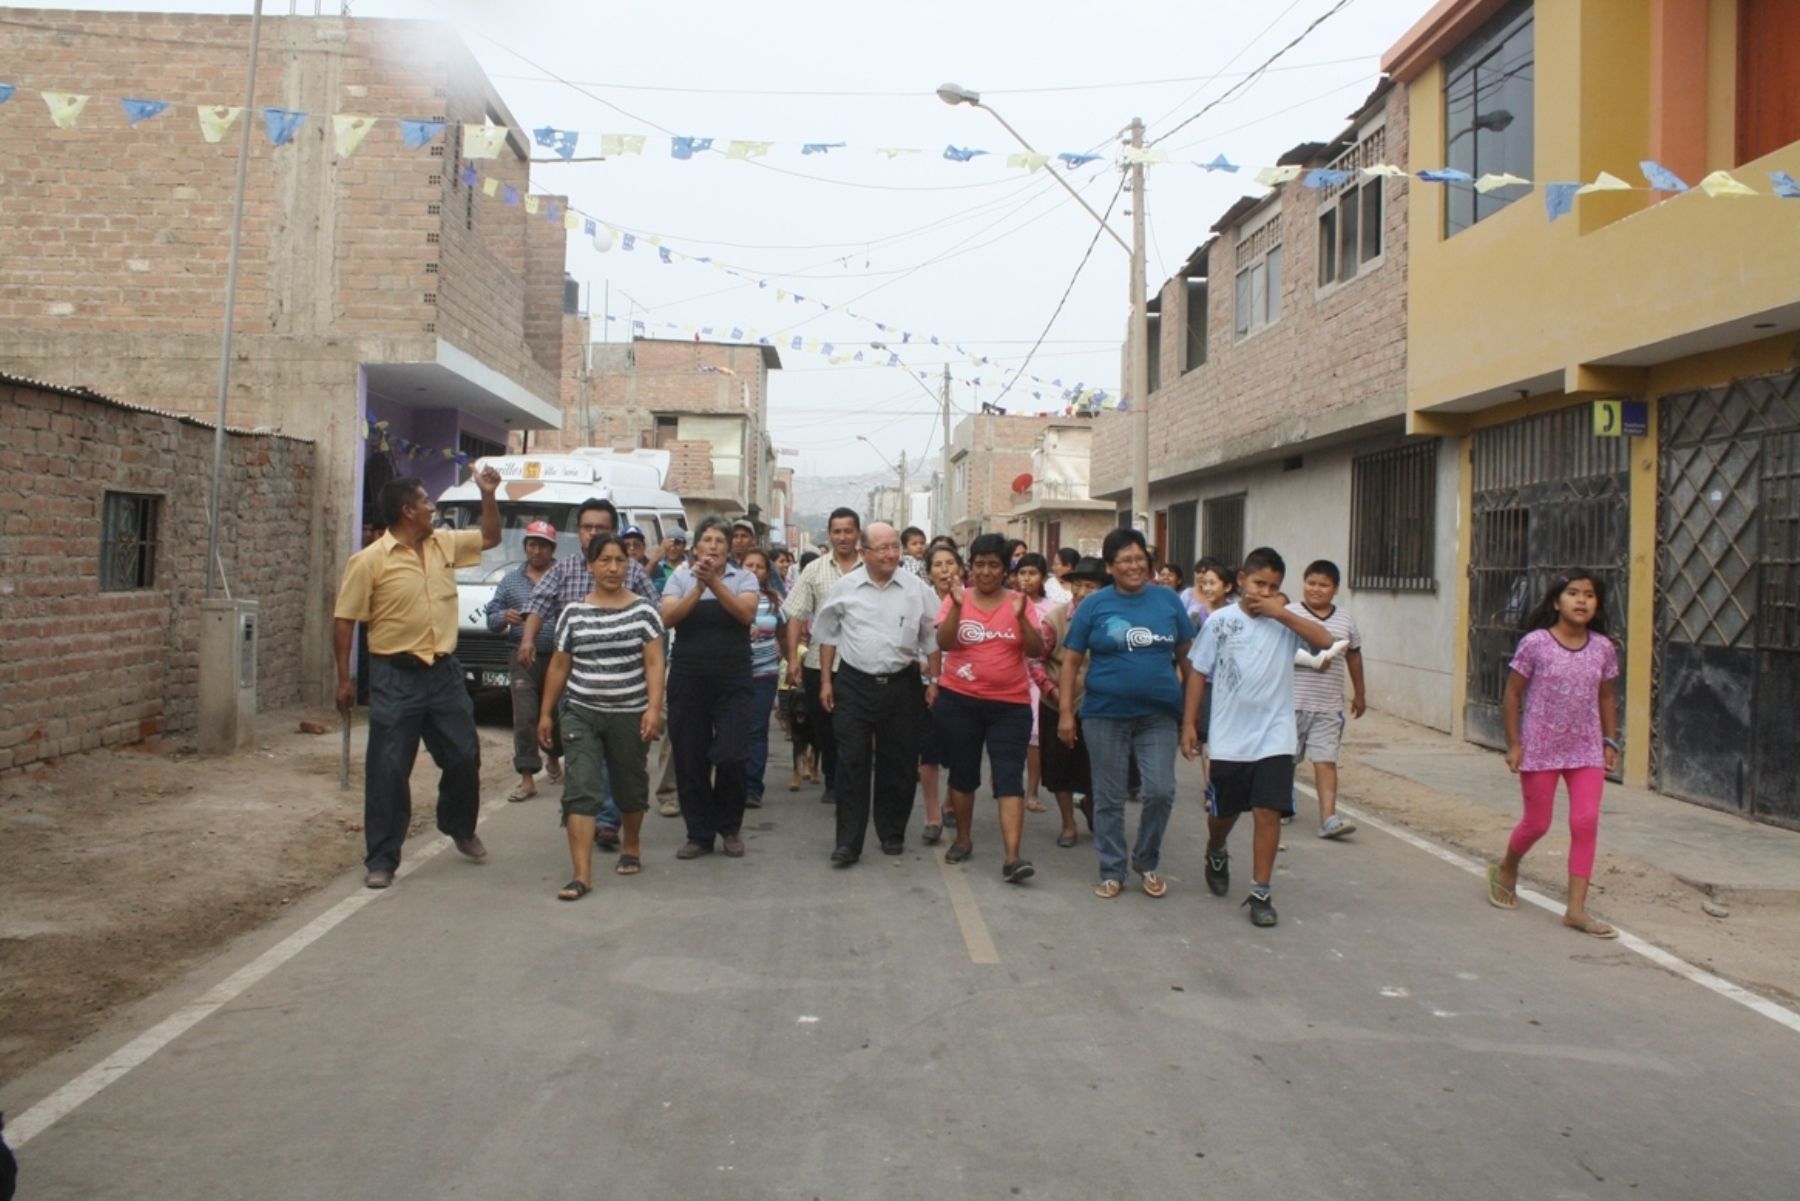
(417, 134)
(142, 110)
(282, 124)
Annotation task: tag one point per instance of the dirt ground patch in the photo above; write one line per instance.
(120, 870)
(1756, 946)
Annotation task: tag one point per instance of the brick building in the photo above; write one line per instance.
(988, 451)
(1058, 509)
(1278, 408)
(707, 403)
(101, 554)
(373, 288)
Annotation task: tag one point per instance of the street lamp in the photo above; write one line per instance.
(954, 94)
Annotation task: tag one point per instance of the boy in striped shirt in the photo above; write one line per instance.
(609, 657)
(1319, 689)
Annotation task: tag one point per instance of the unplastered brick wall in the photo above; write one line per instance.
(83, 668)
(1334, 346)
(999, 451)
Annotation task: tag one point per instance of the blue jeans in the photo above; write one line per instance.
(1112, 743)
(762, 696)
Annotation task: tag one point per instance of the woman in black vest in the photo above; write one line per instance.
(709, 604)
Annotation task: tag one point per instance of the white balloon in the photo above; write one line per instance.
(603, 239)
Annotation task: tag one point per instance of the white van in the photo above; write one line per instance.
(548, 487)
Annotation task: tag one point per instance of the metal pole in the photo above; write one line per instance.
(900, 505)
(1140, 349)
(231, 274)
(944, 492)
(1057, 175)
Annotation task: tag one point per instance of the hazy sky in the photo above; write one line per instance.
(976, 252)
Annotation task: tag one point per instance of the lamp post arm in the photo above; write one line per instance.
(1058, 176)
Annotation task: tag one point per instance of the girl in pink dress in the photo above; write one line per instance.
(1561, 723)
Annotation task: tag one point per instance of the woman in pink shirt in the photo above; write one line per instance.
(984, 697)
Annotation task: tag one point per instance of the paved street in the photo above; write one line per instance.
(773, 1028)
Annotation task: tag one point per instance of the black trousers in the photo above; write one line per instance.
(824, 729)
(877, 725)
(709, 738)
(405, 706)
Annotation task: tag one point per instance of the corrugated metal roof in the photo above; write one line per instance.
(81, 393)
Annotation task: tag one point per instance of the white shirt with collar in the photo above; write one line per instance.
(878, 629)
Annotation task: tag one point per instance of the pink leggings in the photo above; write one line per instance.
(1539, 788)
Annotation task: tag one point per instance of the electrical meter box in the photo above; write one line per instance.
(228, 637)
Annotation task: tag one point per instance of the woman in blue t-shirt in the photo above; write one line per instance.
(1134, 638)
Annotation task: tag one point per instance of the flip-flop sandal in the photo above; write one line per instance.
(520, 794)
(628, 865)
(574, 890)
(1106, 890)
(1035, 807)
(1594, 929)
(1500, 896)
(554, 773)
(1154, 884)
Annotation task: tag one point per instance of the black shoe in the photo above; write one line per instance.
(844, 857)
(1262, 911)
(1018, 871)
(606, 838)
(958, 854)
(753, 802)
(896, 846)
(1218, 872)
(830, 798)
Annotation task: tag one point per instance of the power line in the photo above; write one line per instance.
(1251, 78)
(1242, 50)
(1085, 255)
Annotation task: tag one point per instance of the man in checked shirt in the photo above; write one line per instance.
(566, 584)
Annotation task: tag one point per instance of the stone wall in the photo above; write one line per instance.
(83, 668)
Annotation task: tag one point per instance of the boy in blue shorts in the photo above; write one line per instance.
(1245, 653)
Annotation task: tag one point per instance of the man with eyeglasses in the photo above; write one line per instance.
(877, 625)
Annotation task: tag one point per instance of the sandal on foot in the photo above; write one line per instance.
(574, 890)
(1018, 871)
(1499, 895)
(1065, 840)
(554, 773)
(521, 793)
(1035, 806)
(930, 834)
(1593, 928)
(1106, 890)
(628, 865)
(958, 854)
(1154, 884)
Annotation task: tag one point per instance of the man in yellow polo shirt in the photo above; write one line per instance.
(403, 585)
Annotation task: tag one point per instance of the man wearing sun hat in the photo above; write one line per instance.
(506, 611)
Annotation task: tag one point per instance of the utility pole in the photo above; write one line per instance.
(901, 508)
(944, 492)
(1140, 347)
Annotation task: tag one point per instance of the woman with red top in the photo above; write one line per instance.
(984, 697)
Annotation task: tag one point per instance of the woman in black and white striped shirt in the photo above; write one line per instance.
(609, 656)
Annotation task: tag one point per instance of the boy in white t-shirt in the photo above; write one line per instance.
(1319, 690)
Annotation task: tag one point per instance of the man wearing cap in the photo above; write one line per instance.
(674, 554)
(743, 541)
(507, 612)
(633, 538)
(403, 586)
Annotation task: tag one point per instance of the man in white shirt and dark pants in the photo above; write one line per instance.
(877, 625)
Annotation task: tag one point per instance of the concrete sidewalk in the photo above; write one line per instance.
(1715, 852)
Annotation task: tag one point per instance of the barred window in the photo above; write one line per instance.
(1393, 518)
(1222, 529)
(128, 524)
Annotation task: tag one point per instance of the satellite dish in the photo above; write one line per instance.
(1022, 483)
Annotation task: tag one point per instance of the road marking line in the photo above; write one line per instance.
(1649, 950)
(85, 1087)
(968, 915)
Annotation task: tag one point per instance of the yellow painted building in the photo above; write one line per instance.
(1689, 304)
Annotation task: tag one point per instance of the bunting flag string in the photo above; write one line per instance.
(485, 141)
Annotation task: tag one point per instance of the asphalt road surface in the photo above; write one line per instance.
(772, 1027)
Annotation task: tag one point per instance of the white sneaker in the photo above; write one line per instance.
(1336, 827)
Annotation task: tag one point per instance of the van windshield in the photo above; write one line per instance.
(514, 517)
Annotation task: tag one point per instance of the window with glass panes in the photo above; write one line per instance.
(1351, 237)
(1488, 114)
(1258, 300)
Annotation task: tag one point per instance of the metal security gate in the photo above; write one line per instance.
(1727, 662)
(1549, 496)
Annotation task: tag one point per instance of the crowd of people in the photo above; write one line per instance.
(899, 667)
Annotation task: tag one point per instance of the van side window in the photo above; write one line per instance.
(652, 530)
(675, 521)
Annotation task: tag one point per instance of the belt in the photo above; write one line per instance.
(407, 661)
(910, 670)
